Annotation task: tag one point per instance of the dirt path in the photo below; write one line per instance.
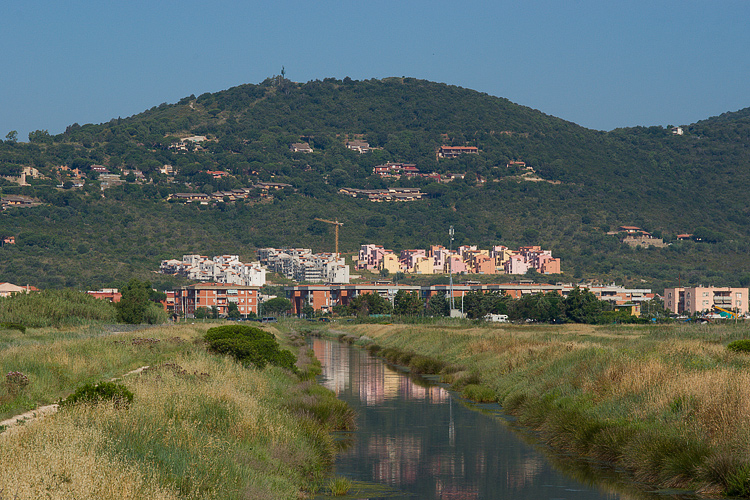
(8, 426)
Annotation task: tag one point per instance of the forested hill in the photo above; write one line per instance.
(585, 183)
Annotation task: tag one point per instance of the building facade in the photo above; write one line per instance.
(219, 295)
(688, 301)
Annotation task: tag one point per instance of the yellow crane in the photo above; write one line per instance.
(336, 223)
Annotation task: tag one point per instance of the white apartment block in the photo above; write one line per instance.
(220, 269)
(300, 264)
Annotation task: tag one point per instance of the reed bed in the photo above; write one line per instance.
(669, 404)
(200, 426)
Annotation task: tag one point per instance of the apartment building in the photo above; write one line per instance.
(692, 300)
(219, 295)
(221, 269)
(300, 264)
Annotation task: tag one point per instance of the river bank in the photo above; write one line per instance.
(668, 405)
(200, 425)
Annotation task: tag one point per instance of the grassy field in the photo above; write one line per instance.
(201, 426)
(668, 404)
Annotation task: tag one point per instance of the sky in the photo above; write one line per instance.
(602, 65)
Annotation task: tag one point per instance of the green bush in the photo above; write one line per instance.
(13, 326)
(249, 345)
(479, 393)
(426, 365)
(742, 345)
(103, 391)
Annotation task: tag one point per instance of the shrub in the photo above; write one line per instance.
(340, 486)
(103, 391)
(742, 345)
(13, 326)
(249, 345)
(426, 365)
(479, 393)
(15, 381)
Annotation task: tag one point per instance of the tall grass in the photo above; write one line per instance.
(669, 404)
(54, 308)
(200, 427)
(56, 368)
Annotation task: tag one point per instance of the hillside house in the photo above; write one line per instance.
(455, 151)
(359, 146)
(300, 147)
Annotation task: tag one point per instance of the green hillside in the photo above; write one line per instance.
(590, 183)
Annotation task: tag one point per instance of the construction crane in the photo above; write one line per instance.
(337, 224)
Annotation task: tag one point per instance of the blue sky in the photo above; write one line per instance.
(602, 65)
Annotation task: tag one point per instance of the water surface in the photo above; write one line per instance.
(419, 441)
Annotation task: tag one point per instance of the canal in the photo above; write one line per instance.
(417, 440)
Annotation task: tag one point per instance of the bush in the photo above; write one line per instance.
(742, 345)
(13, 326)
(479, 393)
(426, 365)
(103, 391)
(249, 345)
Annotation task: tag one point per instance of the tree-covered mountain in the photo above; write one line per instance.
(587, 183)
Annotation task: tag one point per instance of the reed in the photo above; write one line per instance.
(199, 426)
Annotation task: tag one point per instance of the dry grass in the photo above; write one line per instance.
(60, 461)
(200, 427)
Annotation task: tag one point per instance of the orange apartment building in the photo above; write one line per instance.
(189, 298)
(324, 297)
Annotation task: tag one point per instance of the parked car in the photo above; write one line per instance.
(268, 319)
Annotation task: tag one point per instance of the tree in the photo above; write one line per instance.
(384, 273)
(582, 306)
(407, 303)
(365, 304)
(40, 136)
(278, 305)
(233, 311)
(12, 137)
(133, 303)
(437, 305)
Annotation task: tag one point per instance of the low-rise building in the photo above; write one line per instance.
(300, 147)
(359, 146)
(109, 294)
(454, 151)
(8, 289)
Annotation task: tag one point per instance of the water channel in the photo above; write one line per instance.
(417, 440)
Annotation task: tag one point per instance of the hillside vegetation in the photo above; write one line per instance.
(592, 182)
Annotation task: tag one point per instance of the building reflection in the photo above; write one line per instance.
(413, 436)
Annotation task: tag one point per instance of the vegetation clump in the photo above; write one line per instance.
(103, 391)
(249, 345)
(742, 345)
(15, 381)
(13, 326)
(340, 486)
(54, 308)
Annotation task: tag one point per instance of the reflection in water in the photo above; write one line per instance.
(417, 439)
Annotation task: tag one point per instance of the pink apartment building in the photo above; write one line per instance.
(370, 257)
(681, 300)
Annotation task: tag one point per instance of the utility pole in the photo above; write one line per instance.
(450, 266)
(337, 224)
